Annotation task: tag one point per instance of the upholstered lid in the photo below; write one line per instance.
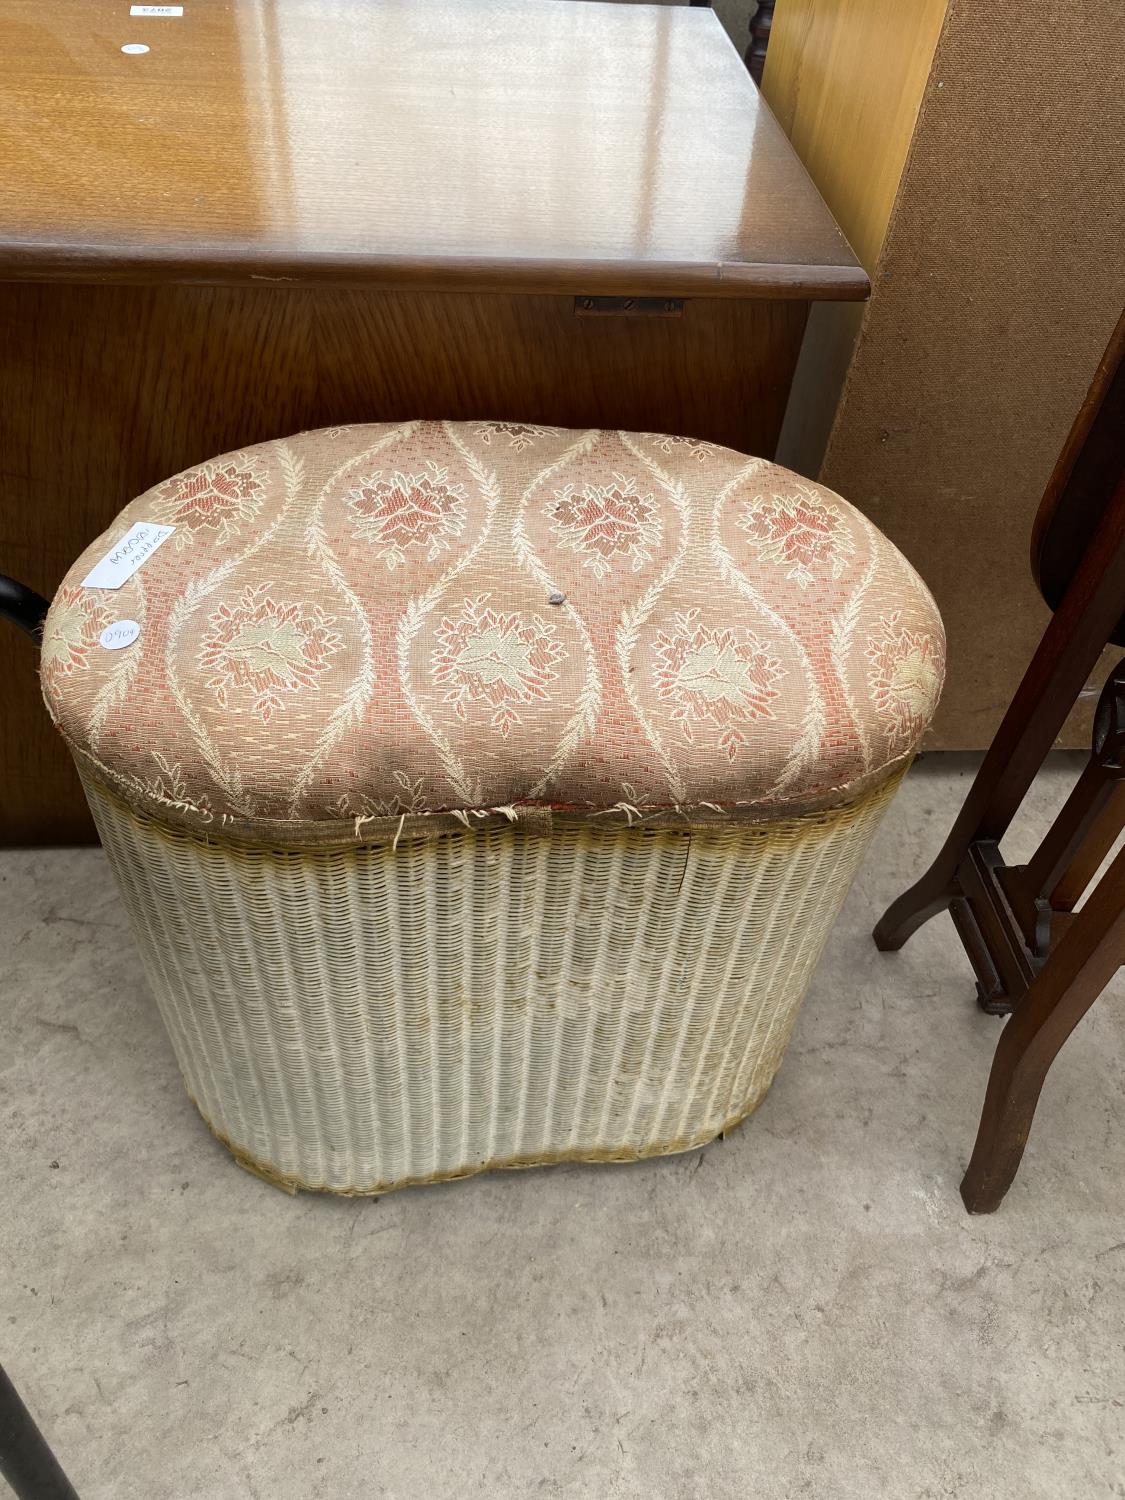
(370, 623)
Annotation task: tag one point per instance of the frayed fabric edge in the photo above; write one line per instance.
(370, 829)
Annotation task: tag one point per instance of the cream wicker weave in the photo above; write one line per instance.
(483, 795)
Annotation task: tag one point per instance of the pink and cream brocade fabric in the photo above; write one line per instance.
(358, 623)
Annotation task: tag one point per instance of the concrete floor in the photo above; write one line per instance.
(802, 1310)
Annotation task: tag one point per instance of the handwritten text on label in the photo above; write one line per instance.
(120, 633)
(122, 561)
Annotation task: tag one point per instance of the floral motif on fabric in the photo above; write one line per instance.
(375, 636)
(904, 677)
(722, 677)
(605, 522)
(398, 511)
(801, 533)
(219, 496)
(494, 662)
(695, 446)
(520, 435)
(266, 647)
(77, 620)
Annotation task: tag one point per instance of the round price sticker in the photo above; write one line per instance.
(120, 633)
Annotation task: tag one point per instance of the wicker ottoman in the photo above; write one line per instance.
(483, 794)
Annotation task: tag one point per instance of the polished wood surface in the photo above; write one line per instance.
(104, 391)
(520, 145)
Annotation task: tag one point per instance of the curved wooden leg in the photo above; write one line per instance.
(1086, 959)
(1063, 661)
(913, 909)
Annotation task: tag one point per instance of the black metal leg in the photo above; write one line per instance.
(26, 1462)
(23, 606)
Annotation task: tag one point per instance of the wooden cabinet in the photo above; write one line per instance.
(298, 213)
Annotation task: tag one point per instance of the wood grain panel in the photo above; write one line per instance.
(845, 79)
(106, 390)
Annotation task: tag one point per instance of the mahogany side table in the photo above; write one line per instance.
(1036, 957)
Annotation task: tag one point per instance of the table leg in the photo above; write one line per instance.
(1086, 959)
(26, 1462)
(1066, 656)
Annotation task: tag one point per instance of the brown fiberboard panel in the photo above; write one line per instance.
(1001, 278)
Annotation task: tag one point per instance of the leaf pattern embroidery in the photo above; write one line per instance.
(268, 647)
(499, 660)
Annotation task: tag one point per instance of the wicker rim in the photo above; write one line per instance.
(539, 818)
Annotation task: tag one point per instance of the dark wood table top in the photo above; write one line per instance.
(518, 145)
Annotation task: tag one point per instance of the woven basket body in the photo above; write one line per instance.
(361, 1018)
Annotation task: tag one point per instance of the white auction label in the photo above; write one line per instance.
(122, 561)
(156, 10)
(120, 633)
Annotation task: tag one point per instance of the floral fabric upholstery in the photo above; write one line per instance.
(379, 621)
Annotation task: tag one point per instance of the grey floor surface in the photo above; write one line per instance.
(804, 1309)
